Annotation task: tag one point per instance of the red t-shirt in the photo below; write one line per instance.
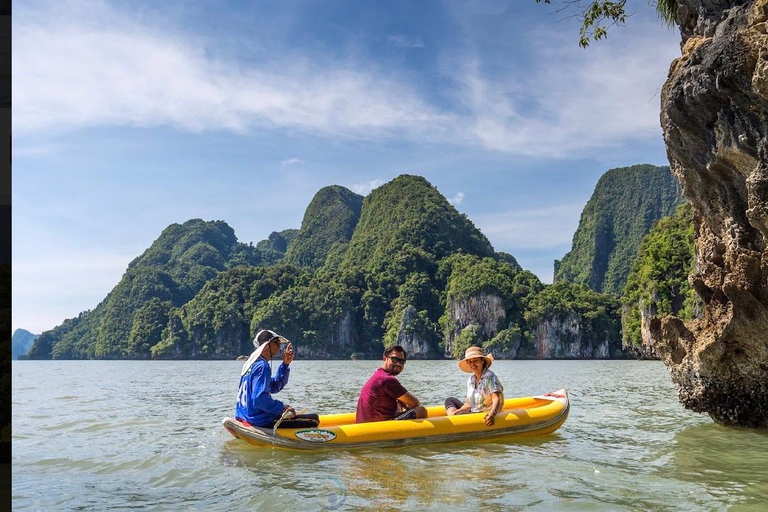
(378, 398)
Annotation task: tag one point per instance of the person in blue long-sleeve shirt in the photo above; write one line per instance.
(255, 404)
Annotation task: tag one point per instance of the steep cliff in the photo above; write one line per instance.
(625, 204)
(329, 222)
(563, 337)
(570, 321)
(483, 312)
(658, 284)
(714, 114)
(412, 336)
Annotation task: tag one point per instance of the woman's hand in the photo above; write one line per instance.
(489, 417)
(491, 414)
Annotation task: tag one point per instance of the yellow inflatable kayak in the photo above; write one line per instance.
(530, 416)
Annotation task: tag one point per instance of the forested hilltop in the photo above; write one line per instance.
(398, 266)
(625, 204)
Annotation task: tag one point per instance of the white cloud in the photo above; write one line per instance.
(365, 188)
(457, 199)
(402, 41)
(532, 228)
(292, 161)
(93, 65)
(574, 100)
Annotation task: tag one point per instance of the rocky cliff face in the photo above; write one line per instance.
(339, 343)
(627, 201)
(647, 351)
(563, 338)
(483, 309)
(410, 337)
(714, 114)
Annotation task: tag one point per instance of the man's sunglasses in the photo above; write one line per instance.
(397, 359)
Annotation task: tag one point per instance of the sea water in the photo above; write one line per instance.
(147, 435)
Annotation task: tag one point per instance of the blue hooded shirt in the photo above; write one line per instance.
(254, 400)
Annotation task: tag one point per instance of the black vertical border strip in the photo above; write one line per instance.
(5, 254)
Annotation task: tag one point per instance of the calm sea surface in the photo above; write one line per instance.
(99, 435)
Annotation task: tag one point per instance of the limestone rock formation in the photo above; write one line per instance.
(647, 351)
(484, 309)
(410, 336)
(339, 343)
(562, 338)
(714, 114)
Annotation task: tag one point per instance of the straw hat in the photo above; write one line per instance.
(473, 353)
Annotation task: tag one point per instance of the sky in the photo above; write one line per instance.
(131, 116)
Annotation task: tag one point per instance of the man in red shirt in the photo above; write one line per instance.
(383, 397)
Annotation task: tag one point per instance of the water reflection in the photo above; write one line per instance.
(728, 463)
(456, 476)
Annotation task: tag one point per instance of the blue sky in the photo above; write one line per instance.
(130, 116)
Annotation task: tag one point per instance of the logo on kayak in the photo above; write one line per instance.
(316, 435)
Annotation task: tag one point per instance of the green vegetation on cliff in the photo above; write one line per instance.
(408, 210)
(467, 276)
(272, 250)
(384, 270)
(218, 322)
(328, 224)
(625, 204)
(658, 283)
(168, 274)
(598, 313)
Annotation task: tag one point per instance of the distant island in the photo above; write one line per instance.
(21, 342)
(400, 266)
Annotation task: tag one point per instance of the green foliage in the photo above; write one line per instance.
(147, 327)
(625, 204)
(467, 276)
(309, 314)
(599, 15)
(328, 224)
(420, 295)
(217, 322)
(278, 241)
(408, 211)
(468, 337)
(173, 269)
(598, 313)
(503, 256)
(75, 338)
(667, 11)
(198, 293)
(658, 282)
(470, 275)
(507, 341)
